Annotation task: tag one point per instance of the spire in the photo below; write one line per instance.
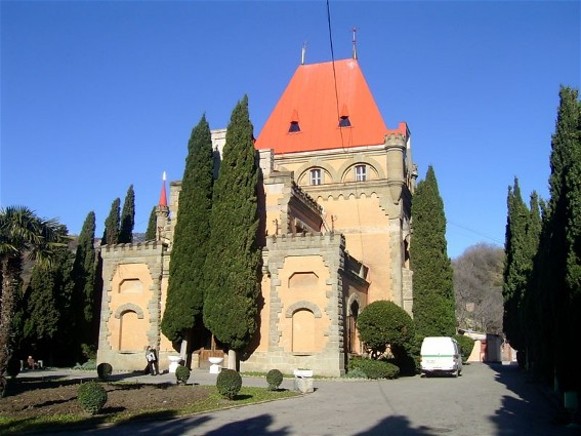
(354, 42)
(303, 53)
(162, 195)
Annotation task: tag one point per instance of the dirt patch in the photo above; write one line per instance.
(37, 398)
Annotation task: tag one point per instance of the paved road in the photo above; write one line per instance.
(485, 400)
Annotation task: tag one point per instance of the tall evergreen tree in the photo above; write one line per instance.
(433, 289)
(532, 315)
(185, 296)
(47, 308)
(85, 297)
(21, 233)
(127, 217)
(555, 292)
(517, 265)
(151, 232)
(564, 231)
(231, 304)
(111, 233)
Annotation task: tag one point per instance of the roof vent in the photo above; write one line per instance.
(344, 117)
(344, 121)
(294, 124)
(294, 127)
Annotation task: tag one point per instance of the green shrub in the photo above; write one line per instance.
(229, 383)
(356, 373)
(466, 345)
(89, 365)
(384, 323)
(92, 397)
(374, 369)
(182, 374)
(104, 370)
(13, 367)
(274, 379)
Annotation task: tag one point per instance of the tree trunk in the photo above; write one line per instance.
(184, 347)
(232, 359)
(10, 274)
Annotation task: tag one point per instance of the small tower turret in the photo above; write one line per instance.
(162, 212)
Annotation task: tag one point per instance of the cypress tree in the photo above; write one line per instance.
(151, 232)
(564, 224)
(85, 296)
(111, 233)
(517, 265)
(231, 304)
(47, 308)
(553, 285)
(192, 233)
(433, 289)
(532, 316)
(127, 217)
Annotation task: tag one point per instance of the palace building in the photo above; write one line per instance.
(337, 200)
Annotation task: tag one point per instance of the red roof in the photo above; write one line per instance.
(311, 101)
(162, 194)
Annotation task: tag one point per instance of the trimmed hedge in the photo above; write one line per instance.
(92, 397)
(374, 369)
(104, 370)
(182, 374)
(274, 379)
(229, 383)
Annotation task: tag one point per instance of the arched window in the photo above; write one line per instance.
(360, 173)
(303, 340)
(316, 176)
(131, 333)
(352, 328)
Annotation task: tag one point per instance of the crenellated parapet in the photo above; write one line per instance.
(305, 198)
(133, 247)
(291, 241)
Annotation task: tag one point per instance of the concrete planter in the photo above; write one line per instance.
(304, 380)
(303, 372)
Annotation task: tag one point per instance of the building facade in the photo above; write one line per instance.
(337, 209)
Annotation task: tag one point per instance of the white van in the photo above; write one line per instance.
(441, 355)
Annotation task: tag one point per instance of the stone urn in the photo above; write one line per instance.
(304, 380)
(174, 362)
(215, 367)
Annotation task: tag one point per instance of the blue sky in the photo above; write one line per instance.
(96, 96)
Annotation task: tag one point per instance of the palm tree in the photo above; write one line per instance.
(22, 233)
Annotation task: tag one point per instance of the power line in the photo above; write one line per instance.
(334, 73)
(476, 232)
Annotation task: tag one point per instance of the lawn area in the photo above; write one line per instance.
(51, 405)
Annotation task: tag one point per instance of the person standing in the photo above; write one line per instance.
(151, 357)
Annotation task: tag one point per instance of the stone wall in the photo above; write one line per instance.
(134, 286)
(321, 255)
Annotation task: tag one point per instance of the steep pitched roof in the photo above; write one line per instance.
(162, 194)
(307, 116)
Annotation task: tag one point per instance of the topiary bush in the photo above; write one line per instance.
(274, 379)
(92, 397)
(374, 369)
(104, 370)
(229, 383)
(384, 323)
(182, 374)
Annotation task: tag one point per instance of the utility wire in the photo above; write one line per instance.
(334, 73)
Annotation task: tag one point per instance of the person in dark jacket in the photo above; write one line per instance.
(151, 357)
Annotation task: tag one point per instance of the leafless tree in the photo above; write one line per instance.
(478, 288)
